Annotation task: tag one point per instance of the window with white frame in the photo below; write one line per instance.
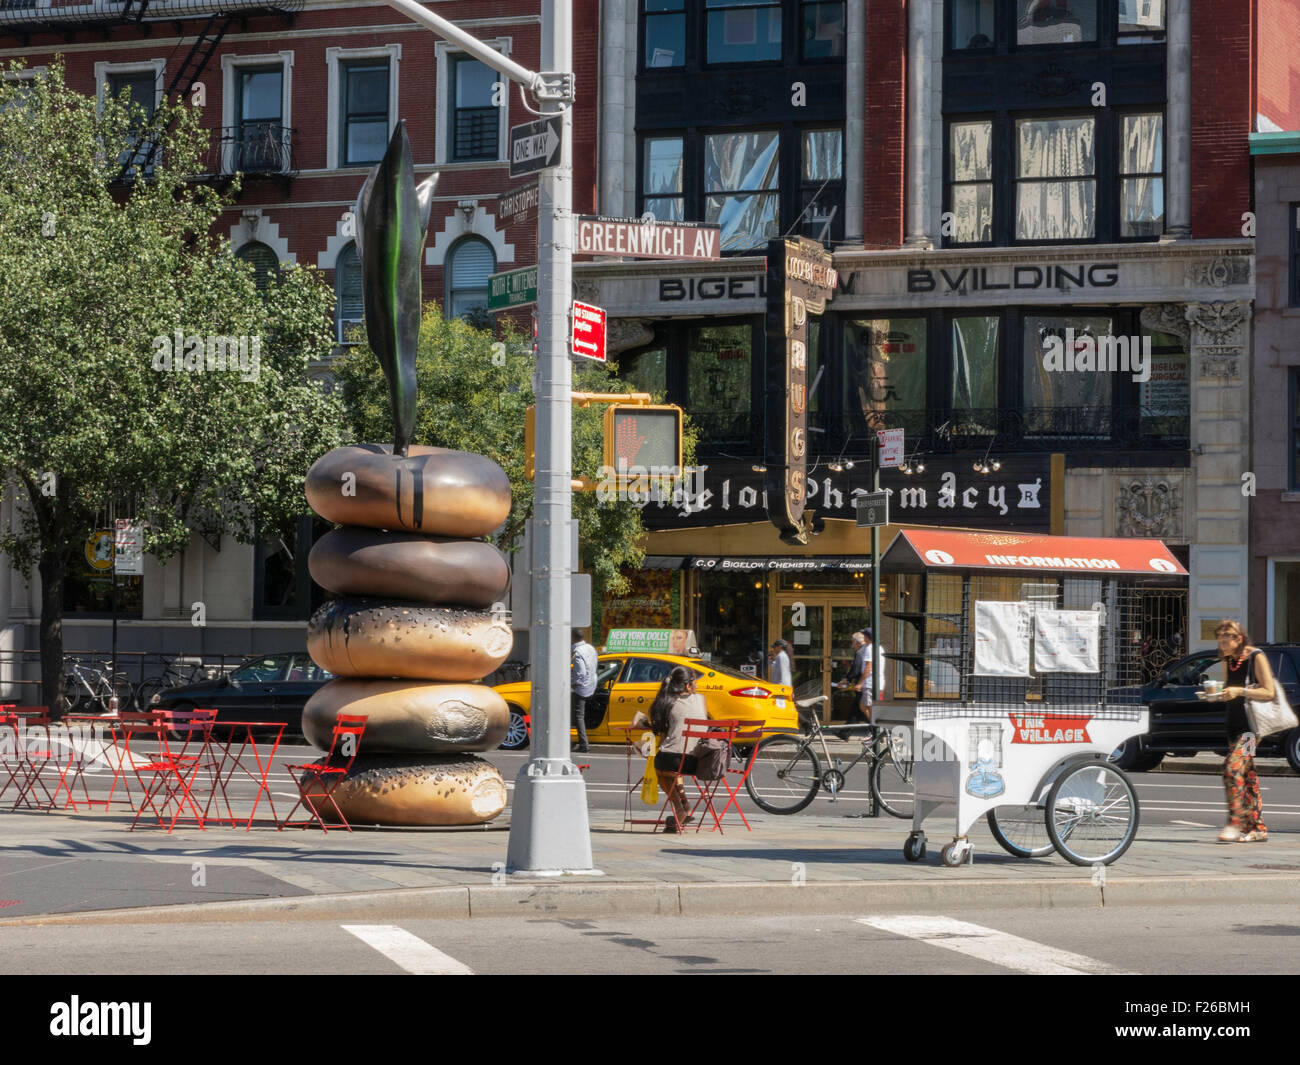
(265, 263)
(349, 306)
(475, 119)
(141, 85)
(256, 122)
(363, 85)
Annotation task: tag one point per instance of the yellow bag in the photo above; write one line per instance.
(650, 779)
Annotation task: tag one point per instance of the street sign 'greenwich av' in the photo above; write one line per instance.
(535, 146)
(648, 239)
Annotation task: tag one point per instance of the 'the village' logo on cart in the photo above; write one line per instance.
(1053, 728)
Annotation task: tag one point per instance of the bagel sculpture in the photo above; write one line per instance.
(410, 628)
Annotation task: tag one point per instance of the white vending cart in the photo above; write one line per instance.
(1026, 651)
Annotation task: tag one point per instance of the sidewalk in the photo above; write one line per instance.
(89, 869)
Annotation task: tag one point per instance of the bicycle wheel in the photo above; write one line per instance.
(1020, 830)
(120, 686)
(147, 690)
(1092, 814)
(893, 783)
(785, 775)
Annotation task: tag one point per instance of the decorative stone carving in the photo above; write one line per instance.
(739, 99)
(1150, 507)
(624, 333)
(1054, 81)
(1220, 272)
(1221, 323)
(1168, 318)
(585, 291)
(1219, 364)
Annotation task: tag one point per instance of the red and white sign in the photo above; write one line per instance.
(891, 448)
(588, 331)
(1054, 728)
(1010, 551)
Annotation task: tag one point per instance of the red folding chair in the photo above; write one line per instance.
(11, 751)
(747, 734)
(36, 759)
(698, 729)
(319, 779)
(172, 771)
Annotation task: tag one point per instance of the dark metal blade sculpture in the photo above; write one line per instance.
(392, 216)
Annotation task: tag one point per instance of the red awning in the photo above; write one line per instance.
(938, 550)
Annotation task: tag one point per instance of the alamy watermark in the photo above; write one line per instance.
(214, 354)
(1104, 354)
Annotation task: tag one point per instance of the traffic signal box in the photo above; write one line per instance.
(641, 440)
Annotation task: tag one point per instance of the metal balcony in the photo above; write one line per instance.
(35, 16)
(255, 149)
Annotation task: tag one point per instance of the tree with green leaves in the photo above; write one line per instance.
(474, 390)
(138, 361)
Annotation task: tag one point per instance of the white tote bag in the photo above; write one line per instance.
(1273, 716)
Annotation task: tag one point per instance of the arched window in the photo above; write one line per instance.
(469, 264)
(266, 265)
(349, 310)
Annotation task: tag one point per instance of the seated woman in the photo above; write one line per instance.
(675, 703)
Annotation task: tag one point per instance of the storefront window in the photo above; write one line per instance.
(646, 371)
(1056, 185)
(975, 365)
(1065, 402)
(719, 372)
(88, 581)
(731, 617)
(1055, 21)
(1165, 399)
(884, 371)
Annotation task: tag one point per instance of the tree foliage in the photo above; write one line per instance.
(96, 281)
(474, 391)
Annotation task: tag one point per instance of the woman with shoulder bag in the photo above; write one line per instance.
(675, 703)
(1249, 677)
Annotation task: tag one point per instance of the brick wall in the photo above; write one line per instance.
(1222, 118)
(1278, 71)
(883, 132)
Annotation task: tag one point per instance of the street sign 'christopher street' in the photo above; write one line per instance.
(800, 279)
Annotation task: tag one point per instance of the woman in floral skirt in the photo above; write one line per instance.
(1249, 676)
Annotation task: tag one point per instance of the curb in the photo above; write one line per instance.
(663, 899)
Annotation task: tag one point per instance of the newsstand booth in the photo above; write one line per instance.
(1021, 645)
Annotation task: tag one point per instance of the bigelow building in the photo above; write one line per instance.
(996, 178)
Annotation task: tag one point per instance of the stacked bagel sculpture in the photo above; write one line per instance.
(410, 629)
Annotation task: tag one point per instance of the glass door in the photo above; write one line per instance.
(804, 625)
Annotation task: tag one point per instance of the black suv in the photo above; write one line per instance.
(1184, 724)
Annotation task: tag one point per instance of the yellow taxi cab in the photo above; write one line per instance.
(627, 682)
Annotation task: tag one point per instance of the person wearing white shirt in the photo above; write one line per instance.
(583, 672)
(779, 670)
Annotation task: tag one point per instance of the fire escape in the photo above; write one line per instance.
(263, 150)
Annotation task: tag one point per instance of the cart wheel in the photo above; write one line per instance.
(1020, 830)
(955, 853)
(914, 848)
(1092, 814)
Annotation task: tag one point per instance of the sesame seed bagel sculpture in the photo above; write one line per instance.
(410, 629)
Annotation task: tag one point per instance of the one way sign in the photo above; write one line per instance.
(535, 146)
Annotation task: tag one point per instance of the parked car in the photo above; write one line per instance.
(1183, 724)
(266, 688)
(627, 682)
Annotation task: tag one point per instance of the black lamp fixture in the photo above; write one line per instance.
(984, 465)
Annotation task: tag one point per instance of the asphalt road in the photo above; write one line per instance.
(1188, 799)
(1113, 941)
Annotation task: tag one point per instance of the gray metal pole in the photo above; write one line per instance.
(872, 810)
(549, 829)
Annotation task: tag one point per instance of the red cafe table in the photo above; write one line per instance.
(233, 745)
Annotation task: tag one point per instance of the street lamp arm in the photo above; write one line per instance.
(449, 31)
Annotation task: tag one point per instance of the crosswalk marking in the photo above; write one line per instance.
(410, 952)
(988, 944)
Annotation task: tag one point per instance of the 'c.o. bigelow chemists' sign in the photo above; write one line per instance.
(1018, 496)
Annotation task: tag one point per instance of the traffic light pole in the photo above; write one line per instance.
(549, 828)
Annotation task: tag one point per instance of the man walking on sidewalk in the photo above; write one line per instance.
(583, 666)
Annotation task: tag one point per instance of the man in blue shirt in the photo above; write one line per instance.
(583, 665)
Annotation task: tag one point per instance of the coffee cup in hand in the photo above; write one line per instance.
(1212, 687)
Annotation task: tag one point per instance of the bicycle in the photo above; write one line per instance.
(787, 774)
(177, 671)
(84, 685)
